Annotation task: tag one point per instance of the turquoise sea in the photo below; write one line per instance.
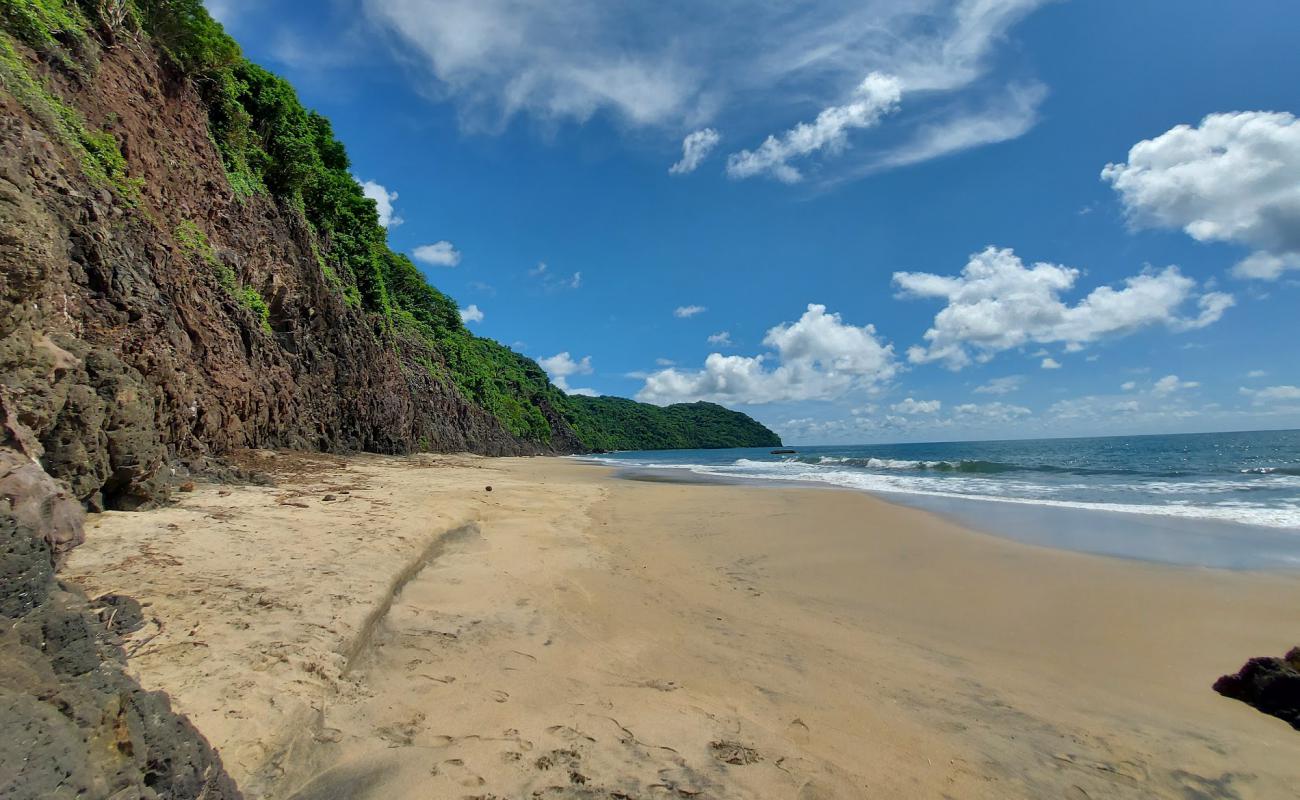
(1211, 499)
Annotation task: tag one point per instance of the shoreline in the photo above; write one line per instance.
(590, 634)
(1162, 538)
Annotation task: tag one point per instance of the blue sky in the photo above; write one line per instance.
(896, 217)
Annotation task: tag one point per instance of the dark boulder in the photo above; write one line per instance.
(1271, 685)
(73, 724)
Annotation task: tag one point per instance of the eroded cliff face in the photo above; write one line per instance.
(129, 348)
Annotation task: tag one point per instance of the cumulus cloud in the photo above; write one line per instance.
(1233, 178)
(1005, 385)
(384, 200)
(562, 366)
(686, 312)
(876, 96)
(1170, 384)
(1050, 363)
(997, 303)
(471, 313)
(438, 254)
(992, 412)
(1272, 394)
(695, 148)
(721, 339)
(817, 357)
(913, 406)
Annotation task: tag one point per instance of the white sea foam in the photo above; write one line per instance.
(1002, 489)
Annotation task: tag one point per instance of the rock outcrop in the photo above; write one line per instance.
(121, 350)
(74, 724)
(1271, 685)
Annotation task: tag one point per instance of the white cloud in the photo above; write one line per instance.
(384, 200)
(1273, 394)
(876, 96)
(438, 254)
(1005, 385)
(997, 303)
(695, 148)
(914, 406)
(471, 313)
(1128, 386)
(665, 362)
(992, 412)
(1170, 384)
(817, 357)
(721, 339)
(1233, 178)
(1257, 373)
(1050, 363)
(1008, 119)
(662, 63)
(686, 312)
(552, 281)
(561, 367)
(680, 66)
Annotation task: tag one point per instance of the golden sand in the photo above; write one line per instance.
(568, 634)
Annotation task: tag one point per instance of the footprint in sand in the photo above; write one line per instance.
(798, 731)
(814, 791)
(454, 769)
(516, 660)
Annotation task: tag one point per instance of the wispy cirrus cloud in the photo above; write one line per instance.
(678, 67)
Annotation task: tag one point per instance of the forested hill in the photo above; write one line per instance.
(189, 267)
(614, 423)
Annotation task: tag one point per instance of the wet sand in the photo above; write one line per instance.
(569, 634)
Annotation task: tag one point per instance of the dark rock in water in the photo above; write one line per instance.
(72, 722)
(784, 452)
(1271, 685)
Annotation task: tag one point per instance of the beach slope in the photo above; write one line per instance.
(388, 627)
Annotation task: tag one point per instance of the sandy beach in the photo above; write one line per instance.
(388, 627)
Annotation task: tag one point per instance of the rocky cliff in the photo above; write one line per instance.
(130, 346)
(187, 267)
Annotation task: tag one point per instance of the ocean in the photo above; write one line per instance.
(1211, 499)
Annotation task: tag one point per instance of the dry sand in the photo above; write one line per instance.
(572, 635)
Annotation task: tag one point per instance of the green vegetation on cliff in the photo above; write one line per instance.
(271, 145)
(616, 423)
